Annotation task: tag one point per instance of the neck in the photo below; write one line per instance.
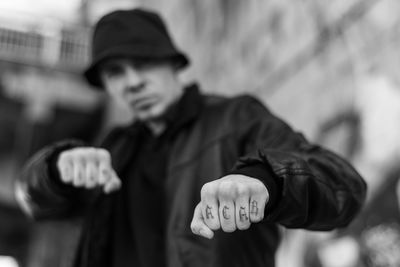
(157, 127)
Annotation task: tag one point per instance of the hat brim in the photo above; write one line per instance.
(137, 52)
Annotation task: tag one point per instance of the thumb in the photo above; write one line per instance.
(198, 226)
(113, 184)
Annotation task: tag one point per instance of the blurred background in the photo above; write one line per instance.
(331, 68)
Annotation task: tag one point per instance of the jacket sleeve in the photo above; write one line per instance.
(311, 187)
(39, 190)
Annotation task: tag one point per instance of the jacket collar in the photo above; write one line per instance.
(184, 111)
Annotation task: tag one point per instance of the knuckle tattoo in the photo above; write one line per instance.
(208, 213)
(225, 213)
(243, 217)
(254, 209)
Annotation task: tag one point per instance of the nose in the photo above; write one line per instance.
(134, 79)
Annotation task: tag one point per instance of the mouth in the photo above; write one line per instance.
(144, 103)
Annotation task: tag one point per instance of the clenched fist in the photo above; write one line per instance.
(232, 202)
(88, 167)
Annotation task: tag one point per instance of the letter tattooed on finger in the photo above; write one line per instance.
(208, 213)
(224, 213)
(254, 207)
(105, 172)
(242, 214)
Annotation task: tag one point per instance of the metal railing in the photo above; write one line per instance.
(66, 50)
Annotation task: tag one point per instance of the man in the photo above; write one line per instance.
(196, 180)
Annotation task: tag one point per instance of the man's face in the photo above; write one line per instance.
(148, 88)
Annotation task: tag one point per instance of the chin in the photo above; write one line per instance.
(154, 114)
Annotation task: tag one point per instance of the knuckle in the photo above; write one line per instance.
(242, 190)
(64, 157)
(77, 152)
(81, 170)
(91, 176)
(257, 219)
(90, 153)
(77, 158)
(78, 182)
(259, 188)
(227, 189)
(243, 226)
(207, 190)
(103, 154)
(228, 227)
(105, 174)
(194, 226)
(262, 198)
(90, 184)
(213, 224)
(91, 167)
(210, 224)
(60, 164)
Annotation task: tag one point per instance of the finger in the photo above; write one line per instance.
(227, 216)
(91, 174)
(198, 226)
(209, 206)
(66, 172)
(78, 174)
(227, 192)
(105, 171)
(105, 174)
(64, 166)
(113, 184)
(104, 163)
(257, 207)
(242, 216)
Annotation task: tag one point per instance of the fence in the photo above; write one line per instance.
(60, 48)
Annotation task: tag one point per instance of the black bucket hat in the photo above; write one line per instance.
(138, 34)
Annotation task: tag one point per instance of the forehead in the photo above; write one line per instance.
(115, 61)
(143, 64)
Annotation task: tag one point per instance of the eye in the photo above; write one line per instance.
(143, 64)
(111, 70)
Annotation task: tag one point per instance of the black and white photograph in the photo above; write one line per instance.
(199, 133)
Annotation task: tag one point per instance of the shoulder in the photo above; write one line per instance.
(240, 107)
(119, 134)
(215, 100)
(227, 115)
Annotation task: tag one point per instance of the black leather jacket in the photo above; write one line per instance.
(319, 190)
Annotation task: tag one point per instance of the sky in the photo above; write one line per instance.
(62, 9)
